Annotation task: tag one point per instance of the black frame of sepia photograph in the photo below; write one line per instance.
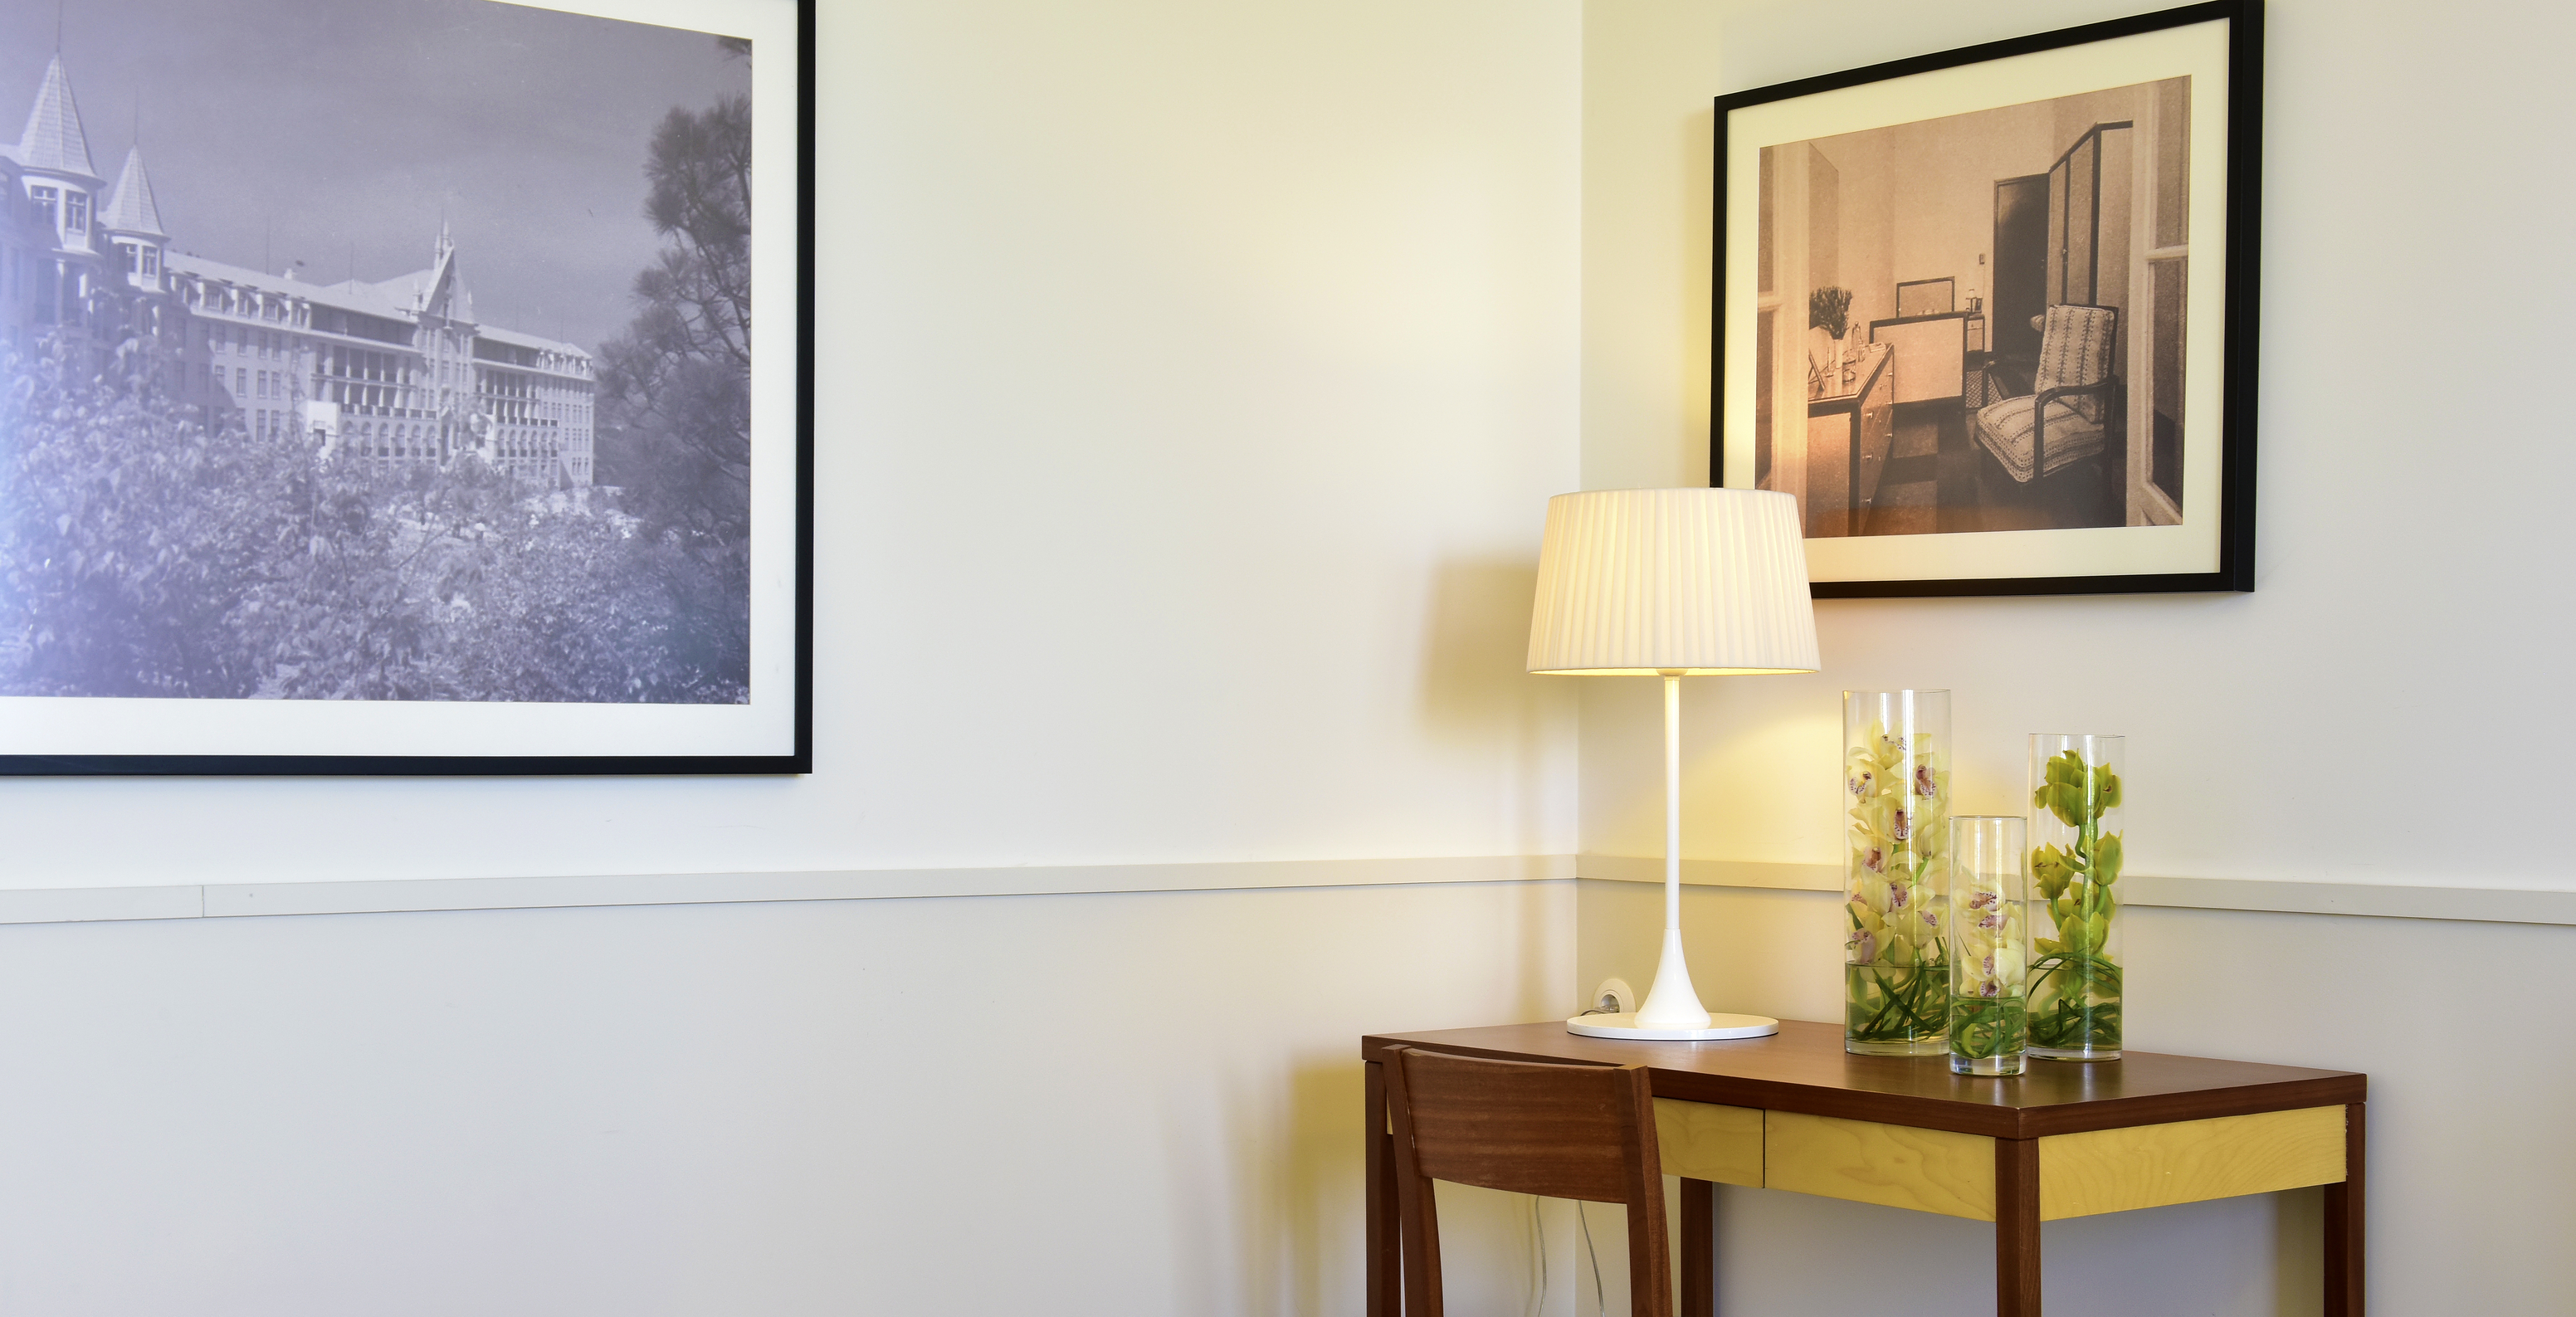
(2061, 403)
(558, 533)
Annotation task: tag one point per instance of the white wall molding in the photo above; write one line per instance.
(2503, 905)
(383, 896)
(63, 905)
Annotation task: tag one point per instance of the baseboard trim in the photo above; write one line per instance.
(2497, 905)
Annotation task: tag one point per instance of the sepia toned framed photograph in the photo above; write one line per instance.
(1989, 315)
(406, 387)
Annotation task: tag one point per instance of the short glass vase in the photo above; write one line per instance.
(1989, 946)
(1896, 801)
(2077, 964)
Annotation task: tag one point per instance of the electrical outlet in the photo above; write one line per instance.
(1613, 997)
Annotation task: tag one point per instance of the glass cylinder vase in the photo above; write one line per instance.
(2076, 851)
(1896, 798)
(1989, 946)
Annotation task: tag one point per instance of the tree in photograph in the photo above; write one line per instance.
(146, 551)
(675, 388)
(133, 533)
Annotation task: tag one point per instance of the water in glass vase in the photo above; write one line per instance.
(1988, 1035)
(2075, 1008)
(1896, 1010)
(1896, 802)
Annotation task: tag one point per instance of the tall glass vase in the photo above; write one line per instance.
(1989, 946)
(2076, 851)
(1896, 799)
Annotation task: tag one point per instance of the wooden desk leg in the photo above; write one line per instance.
(1385, 1250)
(2343, 1220)
(1699, 1248)
(2016, 1228)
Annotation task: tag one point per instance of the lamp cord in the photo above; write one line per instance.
(1538, 1229)
(1600, 1305)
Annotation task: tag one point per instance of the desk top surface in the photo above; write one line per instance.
(1873, 363)
(1804, 1068)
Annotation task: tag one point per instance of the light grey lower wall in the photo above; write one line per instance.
(2455, 1022)
(1139, 1102)
(1089, 1104)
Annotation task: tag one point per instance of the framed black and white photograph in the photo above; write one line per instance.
(405, 386)
(1989, 315)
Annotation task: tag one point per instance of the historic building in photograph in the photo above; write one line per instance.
(393, 371)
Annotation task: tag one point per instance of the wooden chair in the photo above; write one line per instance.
(1563, 1131)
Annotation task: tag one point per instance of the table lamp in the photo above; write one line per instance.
(1672, 583)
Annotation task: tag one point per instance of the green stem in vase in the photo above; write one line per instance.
(2075, 985)
(1988, 1026)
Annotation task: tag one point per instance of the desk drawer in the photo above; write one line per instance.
(2188, 1161)
(1705, 1141)
(2115, 1170)
(1921, 1170)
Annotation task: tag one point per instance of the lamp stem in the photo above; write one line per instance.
(1672, 800)
(1672, 1003)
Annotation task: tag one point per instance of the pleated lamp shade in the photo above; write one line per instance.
(1707, 582)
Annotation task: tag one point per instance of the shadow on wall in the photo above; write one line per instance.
(1476, 692)
(1474, 673)
(1267, 1195)
(1299, 1211)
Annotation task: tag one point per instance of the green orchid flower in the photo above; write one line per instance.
(2074, 982)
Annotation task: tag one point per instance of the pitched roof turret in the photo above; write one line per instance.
(54, 139)
(131, 208)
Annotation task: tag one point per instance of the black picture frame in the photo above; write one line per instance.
(2222, 556)
(780, 385)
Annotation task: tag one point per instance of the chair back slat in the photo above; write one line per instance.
(1553, 1130)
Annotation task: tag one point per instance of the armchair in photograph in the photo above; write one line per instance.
(2072, 415)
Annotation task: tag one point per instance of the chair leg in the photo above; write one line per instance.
(1650, 1260)
(1422, 1296)
(1417, 1206)
(1385, 1249)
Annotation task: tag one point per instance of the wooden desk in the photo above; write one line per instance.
(1794, 1111)
(1850, 429)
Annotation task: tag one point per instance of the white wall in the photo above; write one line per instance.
(1193, 378)
(2352, 720)
(2347, 721)
(1192, 381)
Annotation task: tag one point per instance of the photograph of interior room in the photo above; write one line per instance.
(1947, 240)
(1192, 380)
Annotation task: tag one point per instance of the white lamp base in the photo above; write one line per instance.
(1625, 1025)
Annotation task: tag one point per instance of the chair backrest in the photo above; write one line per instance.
(2076, 343)
(1563, 1131)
